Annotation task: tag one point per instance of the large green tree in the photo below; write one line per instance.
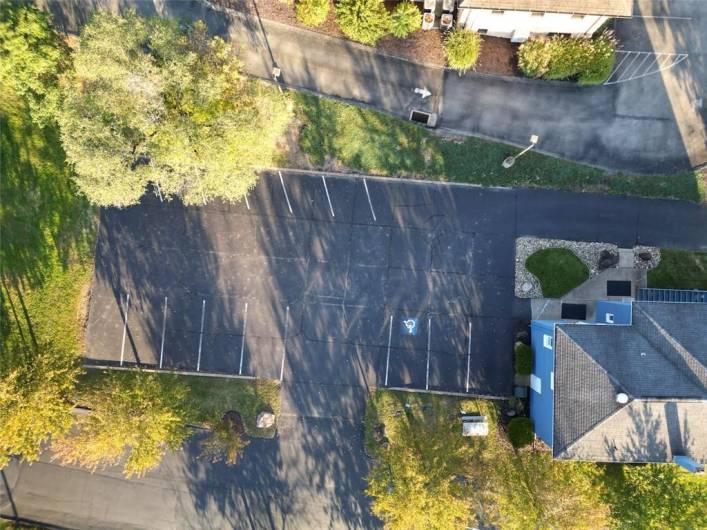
(150, 102)
(655, 496)
(34, 404)
(531, 490)
(32, 56)
(134, 418)
(415, 485)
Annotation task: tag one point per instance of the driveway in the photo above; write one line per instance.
(650, 124)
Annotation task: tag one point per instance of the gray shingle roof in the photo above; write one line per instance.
(612, 8)
(659, 361)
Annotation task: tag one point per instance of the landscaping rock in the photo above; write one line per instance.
(607, 259)
(265, 420)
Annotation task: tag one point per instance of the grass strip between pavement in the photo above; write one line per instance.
(340, 136)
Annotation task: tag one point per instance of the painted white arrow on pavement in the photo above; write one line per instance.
(423, 92)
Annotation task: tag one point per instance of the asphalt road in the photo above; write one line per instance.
(312, 474)
(652, 124)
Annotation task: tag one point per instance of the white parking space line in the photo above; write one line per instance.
(201, 334)
(125, 328)
(637, 64)
(629, 65)
(284, 349)
(468, 357)
(616, 68)
(387, 358)
(640, 64)
(164, 327)
(247, 204)
(245, 325)
(287, 198)
(328, 198)
(370, 204)
(429, 336)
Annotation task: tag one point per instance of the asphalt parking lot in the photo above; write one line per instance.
(314, 279)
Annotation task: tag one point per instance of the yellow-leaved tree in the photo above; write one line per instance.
(134, 419)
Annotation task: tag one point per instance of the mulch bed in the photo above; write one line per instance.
(497, 55)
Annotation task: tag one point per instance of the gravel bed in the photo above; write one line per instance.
(528, 286)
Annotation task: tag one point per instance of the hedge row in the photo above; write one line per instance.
(364, 21)
(367, 21)
(589, 61)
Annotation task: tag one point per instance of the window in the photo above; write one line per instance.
(547, 341)
(537, 13)
(536, 383)
(497, 12)
(609, 318)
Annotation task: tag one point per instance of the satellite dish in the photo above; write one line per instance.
(621, 398)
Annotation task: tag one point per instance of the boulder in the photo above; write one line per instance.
(265, 420)
(645, 256)
(607, 259)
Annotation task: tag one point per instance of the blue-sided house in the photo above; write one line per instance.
(629, 387)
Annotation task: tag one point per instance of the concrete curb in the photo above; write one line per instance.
(176, 372)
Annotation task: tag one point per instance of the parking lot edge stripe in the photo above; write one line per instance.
(429, 336)
(287, 198)
(284, 349)
(201, 335)
(125, 328)
(370, 204)
(468, 357)
(164, 327)
(245, 325)
(247, 204)
(328, 198)
(387, 358)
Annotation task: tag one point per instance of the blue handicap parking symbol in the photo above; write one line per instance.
(409, 326)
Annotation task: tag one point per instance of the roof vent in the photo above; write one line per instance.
(621, 398)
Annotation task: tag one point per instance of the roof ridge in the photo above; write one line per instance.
(615, 382)
(592, 359)
(597, 424)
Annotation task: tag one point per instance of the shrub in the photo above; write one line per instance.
(461, 47)
(599, 61)
(524, 358)
(590, 61)
(225, 442)
(364, 21)
(406, 18)
(312, 12)
(534, 58)
(520, 432)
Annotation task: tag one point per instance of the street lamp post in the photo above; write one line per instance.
(510, 160)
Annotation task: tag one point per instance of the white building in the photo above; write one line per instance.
(520, 19)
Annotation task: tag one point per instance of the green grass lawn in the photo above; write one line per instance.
(559, 271)
(48, 238)
(340, 135)
(679, 269)
(211, 397)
